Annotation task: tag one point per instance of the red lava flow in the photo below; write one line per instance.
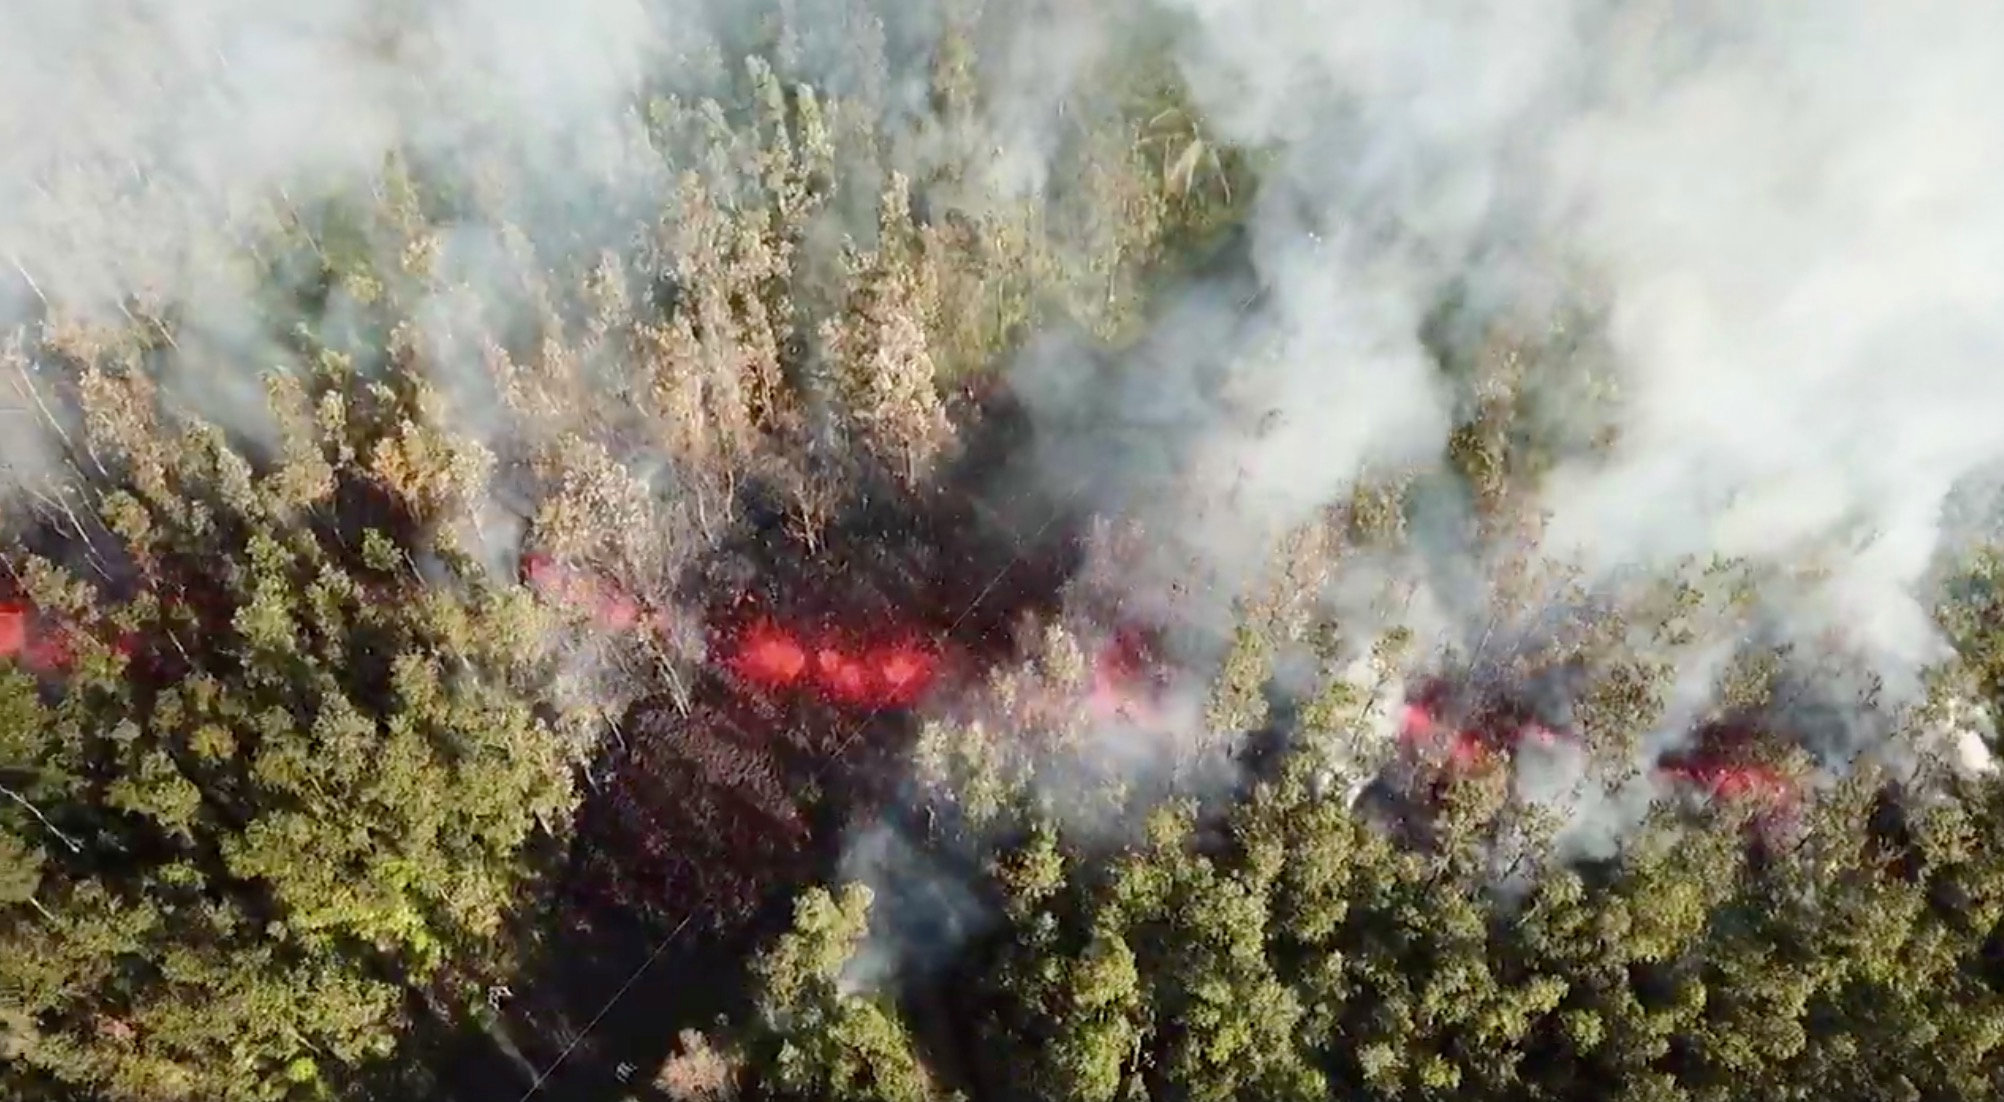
(769, 658)
(898, 670)
(1708, 769)
(42, 647)
(13, 629)
(894, 669)
(1467, 747)
(1735, 783)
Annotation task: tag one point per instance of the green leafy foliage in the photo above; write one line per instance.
(307, 784)
(1301, 952)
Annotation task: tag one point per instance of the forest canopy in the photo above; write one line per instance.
(852, 550)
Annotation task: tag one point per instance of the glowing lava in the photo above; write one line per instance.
(608, 607)
(768, 658)
(904, 671)
(1721, 763)
(13, 629)
(841, 676)
(887, 667)
(1125, 677)
(899, 670)
(1716, 765)
(1493, 732)
(42, 647)
(763, 655)
(1733, 783)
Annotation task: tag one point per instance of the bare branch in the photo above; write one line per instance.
(75, 847)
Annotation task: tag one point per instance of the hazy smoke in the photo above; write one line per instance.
(1806, 298)
(137, 133)
(151, 148)
(1789, 210)
(921, 910)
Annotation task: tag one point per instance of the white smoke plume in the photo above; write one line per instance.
(148, 148)
(1788, 210)
(138, 132)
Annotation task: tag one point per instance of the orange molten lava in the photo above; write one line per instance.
(1735, 783)
(904, 672)
(1463, 748)
(842, 676)
(769, 658)
(1715, 767)
(42, 647)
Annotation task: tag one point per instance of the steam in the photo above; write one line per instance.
(922, 910)
(1807, 313)
(1785, 214)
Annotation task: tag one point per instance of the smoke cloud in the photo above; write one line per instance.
(140, 133)
(1787, 212)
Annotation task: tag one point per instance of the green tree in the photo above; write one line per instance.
(818, 1040)
(304, 789)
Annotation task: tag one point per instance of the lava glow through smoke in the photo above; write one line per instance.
(43, 646)
(1717, 766)
(1425, 730)
(898, 667)
(1713, 768)
(1734, 783)
(1127, 676)
(884, 666)
(608, 607)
